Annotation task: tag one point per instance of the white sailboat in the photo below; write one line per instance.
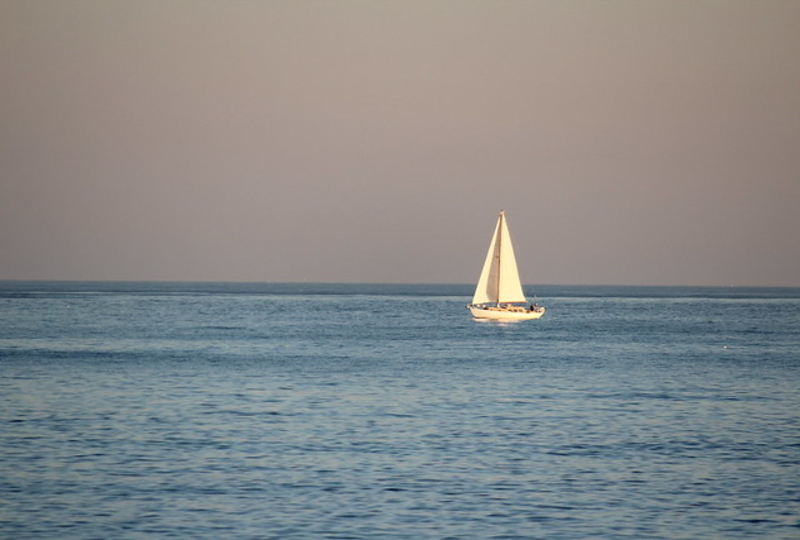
(499, 292)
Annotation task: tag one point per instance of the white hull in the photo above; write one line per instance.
(500, 313)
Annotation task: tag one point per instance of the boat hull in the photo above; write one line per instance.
(505, 314)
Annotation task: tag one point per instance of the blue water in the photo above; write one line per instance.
(133, 410)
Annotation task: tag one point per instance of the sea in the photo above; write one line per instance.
(361, 411)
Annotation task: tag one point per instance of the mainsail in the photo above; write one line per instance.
(499, 281)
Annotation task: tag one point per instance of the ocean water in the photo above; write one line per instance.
(136, 410)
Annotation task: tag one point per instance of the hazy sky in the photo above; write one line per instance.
(630, 142)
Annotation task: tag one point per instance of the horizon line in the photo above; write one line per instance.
(403, 283)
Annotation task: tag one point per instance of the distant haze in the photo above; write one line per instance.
(630, 142)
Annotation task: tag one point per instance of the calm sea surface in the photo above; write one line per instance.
(133, 410)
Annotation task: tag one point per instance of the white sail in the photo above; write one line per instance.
(499, 281)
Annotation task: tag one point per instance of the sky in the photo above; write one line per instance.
(629, 142)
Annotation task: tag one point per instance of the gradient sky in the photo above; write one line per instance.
(629, 142)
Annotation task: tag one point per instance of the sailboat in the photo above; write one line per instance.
(499, 292)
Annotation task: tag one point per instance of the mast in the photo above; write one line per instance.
(499, 253)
